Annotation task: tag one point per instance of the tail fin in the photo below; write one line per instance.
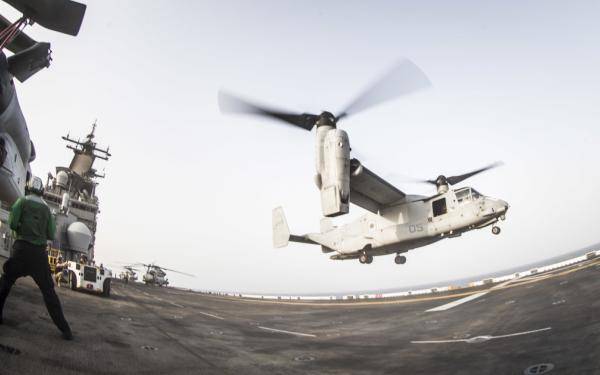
(281, 231)
(326, 225)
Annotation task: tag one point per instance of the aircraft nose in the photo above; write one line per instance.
(504, 205)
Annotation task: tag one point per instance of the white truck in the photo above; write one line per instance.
(91, 278)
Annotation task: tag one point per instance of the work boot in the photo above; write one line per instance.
(67, 335)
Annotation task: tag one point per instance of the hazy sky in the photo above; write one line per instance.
(193, 189)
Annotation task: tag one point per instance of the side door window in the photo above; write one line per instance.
(439, 207)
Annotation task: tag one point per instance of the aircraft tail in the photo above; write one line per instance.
(281, 231)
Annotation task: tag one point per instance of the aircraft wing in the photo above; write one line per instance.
(370, 191)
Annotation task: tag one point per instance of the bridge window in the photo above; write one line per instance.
(439, 207)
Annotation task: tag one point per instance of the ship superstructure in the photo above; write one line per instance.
(71, 194)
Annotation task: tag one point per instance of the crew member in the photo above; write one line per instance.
(62, 271)
(33, 223)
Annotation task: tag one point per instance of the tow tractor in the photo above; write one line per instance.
(83, 276)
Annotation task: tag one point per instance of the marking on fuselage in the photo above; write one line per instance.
(478, 339)
(211, 315)
(288, 332)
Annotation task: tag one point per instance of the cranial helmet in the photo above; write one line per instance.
(35, 185)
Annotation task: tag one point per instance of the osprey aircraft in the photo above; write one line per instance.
(28, 58)
(395, 222)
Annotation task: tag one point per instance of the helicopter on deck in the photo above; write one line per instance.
(156, 275)
(129, 273)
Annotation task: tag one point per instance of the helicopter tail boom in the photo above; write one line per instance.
(281, 231)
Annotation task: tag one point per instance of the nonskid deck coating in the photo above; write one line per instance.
(547, 318)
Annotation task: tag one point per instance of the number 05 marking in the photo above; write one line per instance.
(415, 228)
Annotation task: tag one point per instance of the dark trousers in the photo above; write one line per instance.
(32, 260)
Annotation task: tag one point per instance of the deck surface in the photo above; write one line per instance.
(548, 318)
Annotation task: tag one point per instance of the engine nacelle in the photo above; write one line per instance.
(333, 165)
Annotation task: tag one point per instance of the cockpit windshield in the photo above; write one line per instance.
(466, 194)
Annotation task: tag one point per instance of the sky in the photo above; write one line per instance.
(192, 189)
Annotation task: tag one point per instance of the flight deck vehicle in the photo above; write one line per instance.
(89, 277)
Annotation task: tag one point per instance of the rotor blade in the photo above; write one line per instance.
(170, 270)
(403, 79)
(64, 16)
(456, 179)
(142, 264)
(20, 42)
(229, 103)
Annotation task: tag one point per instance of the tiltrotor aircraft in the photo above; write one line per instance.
(29, 57)
(156, 275)
(395, 222)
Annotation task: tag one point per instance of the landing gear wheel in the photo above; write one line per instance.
(369, 259)
(399, 259)
(362, 258)
(496, 230)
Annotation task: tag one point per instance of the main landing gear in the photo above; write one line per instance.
(365, 258)
(496, 230)
(400, 259)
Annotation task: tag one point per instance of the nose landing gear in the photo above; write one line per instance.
(399, 259)
(365, 258)
(496, 230)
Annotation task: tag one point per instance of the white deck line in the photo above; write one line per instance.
(487, 338)
(211, 315)
(288, 332)
(457, 302)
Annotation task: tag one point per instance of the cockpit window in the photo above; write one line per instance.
(475, 194)
(463, 195)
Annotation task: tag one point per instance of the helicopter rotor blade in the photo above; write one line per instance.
(182, 273)
(452, 180)
(229, 103)
(64, 16)
(403, 79)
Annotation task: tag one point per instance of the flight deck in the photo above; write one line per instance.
(542, 322)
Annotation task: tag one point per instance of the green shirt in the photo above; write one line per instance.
(32, 220)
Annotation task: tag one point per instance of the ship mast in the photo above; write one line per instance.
(86, 152)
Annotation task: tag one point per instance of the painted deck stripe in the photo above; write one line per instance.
(211, 315)
(485, 338)
(288, 332)
(457, 302)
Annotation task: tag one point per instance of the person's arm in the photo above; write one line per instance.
(51, 226)
(14, 219)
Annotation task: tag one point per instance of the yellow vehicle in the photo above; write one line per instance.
(53, 255)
